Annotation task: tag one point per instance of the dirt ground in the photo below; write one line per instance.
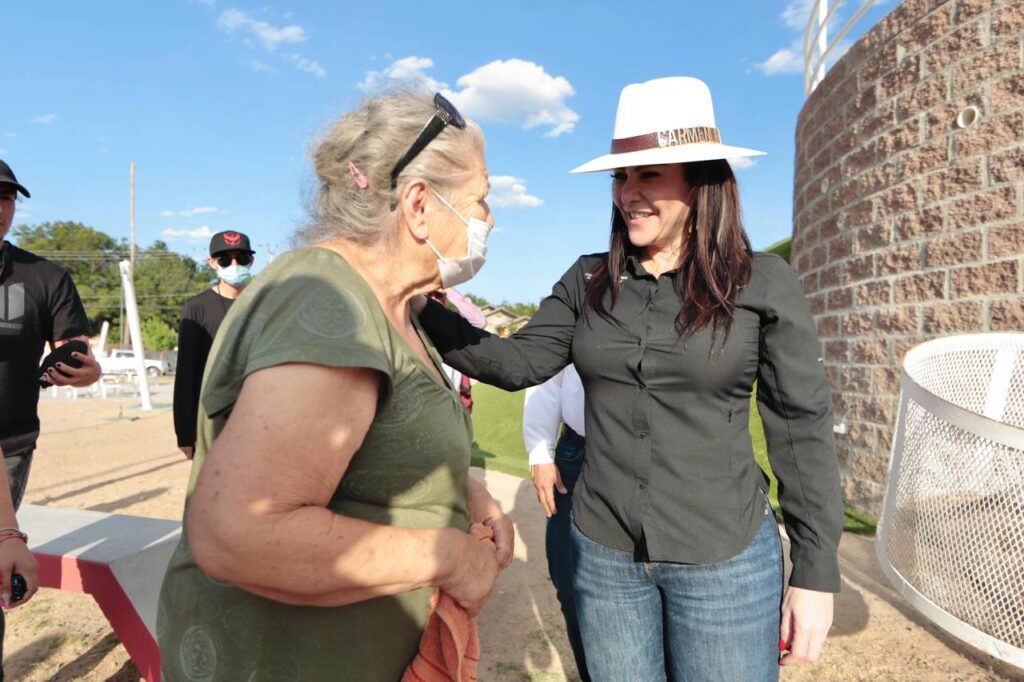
(108, 456)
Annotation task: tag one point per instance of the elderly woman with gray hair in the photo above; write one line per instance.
(330, 497)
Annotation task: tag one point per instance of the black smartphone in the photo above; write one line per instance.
(62, 354)
(18, 587)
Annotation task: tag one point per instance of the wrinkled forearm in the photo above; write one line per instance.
(312, 556)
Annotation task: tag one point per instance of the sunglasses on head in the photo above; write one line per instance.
(224, 259)
(444, 113)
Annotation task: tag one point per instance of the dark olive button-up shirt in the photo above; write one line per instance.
(670, 471)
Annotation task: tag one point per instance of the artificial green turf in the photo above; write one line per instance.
(498, 444)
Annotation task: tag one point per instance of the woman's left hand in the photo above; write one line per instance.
(483, 509)
(806, 619)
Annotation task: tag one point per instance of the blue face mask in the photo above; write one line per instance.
(234, 274)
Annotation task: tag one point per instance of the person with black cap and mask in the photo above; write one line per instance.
(38, 305)
(231, 258)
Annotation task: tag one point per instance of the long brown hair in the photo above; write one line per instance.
(715, 259)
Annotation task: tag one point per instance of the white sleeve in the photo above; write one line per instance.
(542, 415)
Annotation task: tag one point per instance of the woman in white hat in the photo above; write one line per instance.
(679, 569)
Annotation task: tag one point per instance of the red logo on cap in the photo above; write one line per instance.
(232, 238)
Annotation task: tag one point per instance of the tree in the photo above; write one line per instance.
(89, 255)
(524, 309)
(164, 279)
(158, 335)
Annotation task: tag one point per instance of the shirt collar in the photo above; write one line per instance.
(637, 271)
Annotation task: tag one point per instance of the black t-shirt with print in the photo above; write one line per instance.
(38, 304)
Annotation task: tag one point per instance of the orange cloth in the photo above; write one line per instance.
(449, 649)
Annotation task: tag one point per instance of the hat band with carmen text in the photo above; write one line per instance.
(667, 138)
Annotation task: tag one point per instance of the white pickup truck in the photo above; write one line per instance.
(123, 362)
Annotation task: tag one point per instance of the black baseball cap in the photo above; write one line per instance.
(7, 178)
(229, 241)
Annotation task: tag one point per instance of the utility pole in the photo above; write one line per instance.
(131, 259)
(132, 211)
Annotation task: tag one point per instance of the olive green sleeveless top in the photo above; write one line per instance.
(310, 306)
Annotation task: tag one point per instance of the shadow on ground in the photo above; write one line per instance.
(522, 634)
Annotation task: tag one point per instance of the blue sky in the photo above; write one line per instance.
(218, 101)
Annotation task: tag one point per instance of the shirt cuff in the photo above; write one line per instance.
(542, 453)
(815, 569)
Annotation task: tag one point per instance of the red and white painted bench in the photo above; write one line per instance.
(120, 560)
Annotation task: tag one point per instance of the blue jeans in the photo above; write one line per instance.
(650, 620)
(560, 551)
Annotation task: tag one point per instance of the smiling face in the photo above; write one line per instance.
(653, 202)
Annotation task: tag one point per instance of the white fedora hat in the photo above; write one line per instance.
(666, 120)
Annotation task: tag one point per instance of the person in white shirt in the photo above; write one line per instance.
(558, 402)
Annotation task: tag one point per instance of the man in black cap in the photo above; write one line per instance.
(231, 257)
(38, 305)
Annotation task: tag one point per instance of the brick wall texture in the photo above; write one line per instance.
(908, 227)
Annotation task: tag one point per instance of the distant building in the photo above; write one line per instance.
(502, 321)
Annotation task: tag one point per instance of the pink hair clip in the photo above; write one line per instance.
(357, 175)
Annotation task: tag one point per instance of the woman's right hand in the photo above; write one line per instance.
(474, 570)
(547, 479)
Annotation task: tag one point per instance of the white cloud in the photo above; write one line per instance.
(507, 190)
(784, 60)
(797, 13)
(3, 152)
(307, 65)
(189, 212)
(269, 36)
(45, 120)
(517, 91)
(406, 73)
(257, 65)
(742, 163)
(503, 91)
(197, 235)
(11, 135)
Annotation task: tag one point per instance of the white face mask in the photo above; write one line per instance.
(455, 271)
(234, 274)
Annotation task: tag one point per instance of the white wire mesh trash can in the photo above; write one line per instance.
(951, 537)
